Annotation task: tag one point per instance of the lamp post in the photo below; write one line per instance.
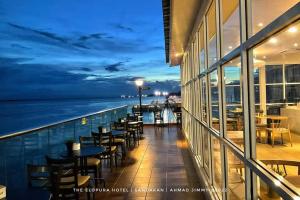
(139, 83)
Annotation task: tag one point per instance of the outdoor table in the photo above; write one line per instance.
(84, 152)
(295, 180)
(236, 136)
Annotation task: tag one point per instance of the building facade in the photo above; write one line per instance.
(240, 88)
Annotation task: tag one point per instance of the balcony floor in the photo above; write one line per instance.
(161, 161)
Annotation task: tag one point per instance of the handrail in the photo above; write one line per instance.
(23, 132)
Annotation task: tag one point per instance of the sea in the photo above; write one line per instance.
(27, 114)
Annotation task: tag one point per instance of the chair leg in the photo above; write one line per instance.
(110, 162)
(290, 136)
(272, 138)
(116, 160)
(96, 175)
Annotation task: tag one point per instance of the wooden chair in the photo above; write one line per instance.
(105, 139)
(93, 163)
(158, 120)
(133, 133)
(279, 126)
(38, 176)
(260, 126)
(120, 140)
(64, 178)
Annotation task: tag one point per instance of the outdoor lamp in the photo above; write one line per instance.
(139, 82)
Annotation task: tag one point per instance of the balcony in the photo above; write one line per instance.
(161, 161)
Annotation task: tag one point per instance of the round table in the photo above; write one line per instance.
(84, 152)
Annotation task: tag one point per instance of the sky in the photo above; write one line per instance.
(82, 48)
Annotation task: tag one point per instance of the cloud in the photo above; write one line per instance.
(114, 67)
(29, 81)
(80, 45)
(86, 69)
(19, 46)
(43, 33)
(93, 36)
(135, 78)
(123, 28)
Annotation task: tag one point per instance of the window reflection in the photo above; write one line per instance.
(217, 166)
(265, 191)
(211, 35)
(236, 177)
(203, 99)
(277, 117)
(206, 157)
(261, 16)
(214, 98)
(234, 110)
(231, 25)
(201, 49)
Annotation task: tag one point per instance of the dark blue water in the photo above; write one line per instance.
(21, 115)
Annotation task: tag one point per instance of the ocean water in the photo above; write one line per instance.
(21, 115)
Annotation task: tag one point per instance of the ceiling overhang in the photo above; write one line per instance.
(179, 17)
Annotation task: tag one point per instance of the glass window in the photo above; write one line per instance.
(211, 35)
(274, 74)
(292, 73)
(231, 25)
(217, 166)
(234, 109)
(236, 177)
(277, 125)
(214, 98)
(274, 93)
(265, 191)
(206, 156)
(203, 99)
(201, 49)
(261, 16)
(256, 92)
(293, 93)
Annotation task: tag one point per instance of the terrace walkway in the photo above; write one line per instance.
(161, 161)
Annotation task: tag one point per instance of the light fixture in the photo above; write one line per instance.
(177, 54)
(157, 93)
(139, 82)
(293, 29)
(277, 183)
(260, 24)
(273, 40)
(295, 44)
(230, 47)
(264, 57)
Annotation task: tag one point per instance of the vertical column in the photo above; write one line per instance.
(262, 89)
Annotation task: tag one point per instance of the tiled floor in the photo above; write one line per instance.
(160, 162)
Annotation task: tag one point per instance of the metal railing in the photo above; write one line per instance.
(30, 146)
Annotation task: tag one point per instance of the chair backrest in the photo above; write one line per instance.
(97, 138)
(132, 118)
(38, 175)
(118, 126)
(63, 177)
(87, 141)
(280, 123)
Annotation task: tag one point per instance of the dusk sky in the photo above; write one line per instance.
(79, 48)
